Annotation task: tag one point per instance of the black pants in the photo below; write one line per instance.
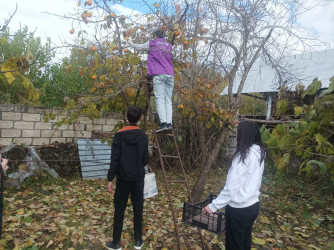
(136, 190)
(239, 223)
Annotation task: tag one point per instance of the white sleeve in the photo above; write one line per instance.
(234, 181)
(140, 47)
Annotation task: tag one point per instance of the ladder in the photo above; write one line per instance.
(159, 138)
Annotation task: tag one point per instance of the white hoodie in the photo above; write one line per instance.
(243, 182)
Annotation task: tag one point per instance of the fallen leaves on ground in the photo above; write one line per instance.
(78, 214)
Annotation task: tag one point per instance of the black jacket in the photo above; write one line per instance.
(129, 154)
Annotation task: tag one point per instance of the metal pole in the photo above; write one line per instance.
(269, 106)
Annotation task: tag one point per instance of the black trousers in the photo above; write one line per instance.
(136, 190)
(239, 223)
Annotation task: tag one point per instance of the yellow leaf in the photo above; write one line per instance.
(131, 91)
(10, 78)
(30, 93)
(35, 96)
(264, 219)
(156, 5)
(314, 247)
(298, 110)
(20, 212)
(284, 228)
(259, 241)
(11, 64)
(271, 240)
(304, 235)
(62, 222)
(280, 165)
(23, 167)
(29, 242)
(50, 243)
(26, 83)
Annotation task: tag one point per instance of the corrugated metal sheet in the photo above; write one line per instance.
(94, 158)
(305, 67)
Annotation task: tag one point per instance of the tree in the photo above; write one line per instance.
(213, 42)
(236, 34)
(116, 73)
(23, 58)
(68, 79)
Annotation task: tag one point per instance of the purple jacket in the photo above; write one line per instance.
(159, 60)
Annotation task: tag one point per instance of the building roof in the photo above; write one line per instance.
(305, 67)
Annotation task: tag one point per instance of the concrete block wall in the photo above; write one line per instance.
(24, 124)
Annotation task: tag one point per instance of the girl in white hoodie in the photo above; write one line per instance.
(241, 192)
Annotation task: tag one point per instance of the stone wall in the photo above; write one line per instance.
(24, 124)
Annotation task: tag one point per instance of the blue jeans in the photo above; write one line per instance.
(163, 90)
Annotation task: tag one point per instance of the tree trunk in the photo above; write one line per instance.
(207, 162)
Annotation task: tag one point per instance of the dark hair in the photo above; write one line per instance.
(159, 33)
(248, 133)
(133, 114)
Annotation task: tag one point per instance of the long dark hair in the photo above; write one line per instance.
(248, 133)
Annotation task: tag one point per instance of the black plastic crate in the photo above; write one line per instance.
(192, 214)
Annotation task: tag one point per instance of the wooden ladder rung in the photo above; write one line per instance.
(177, 181)
(175, 211)
(170, 156)
(166, 134)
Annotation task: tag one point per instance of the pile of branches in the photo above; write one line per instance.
(62, 157)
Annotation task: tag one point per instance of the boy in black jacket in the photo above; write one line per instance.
(129, 155)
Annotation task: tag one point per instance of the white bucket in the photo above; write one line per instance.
(150, 186)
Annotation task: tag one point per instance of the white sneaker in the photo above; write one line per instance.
(113, 246)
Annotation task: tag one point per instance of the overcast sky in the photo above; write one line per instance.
(319, 21)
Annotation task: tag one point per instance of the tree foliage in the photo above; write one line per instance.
(24, 58)
(307, 146)
(111, 74)
(65, 80)
(228, 37)
(214, 42)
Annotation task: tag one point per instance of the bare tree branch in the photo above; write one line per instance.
(4, 27)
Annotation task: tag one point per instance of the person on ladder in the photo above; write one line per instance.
(160, 67)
